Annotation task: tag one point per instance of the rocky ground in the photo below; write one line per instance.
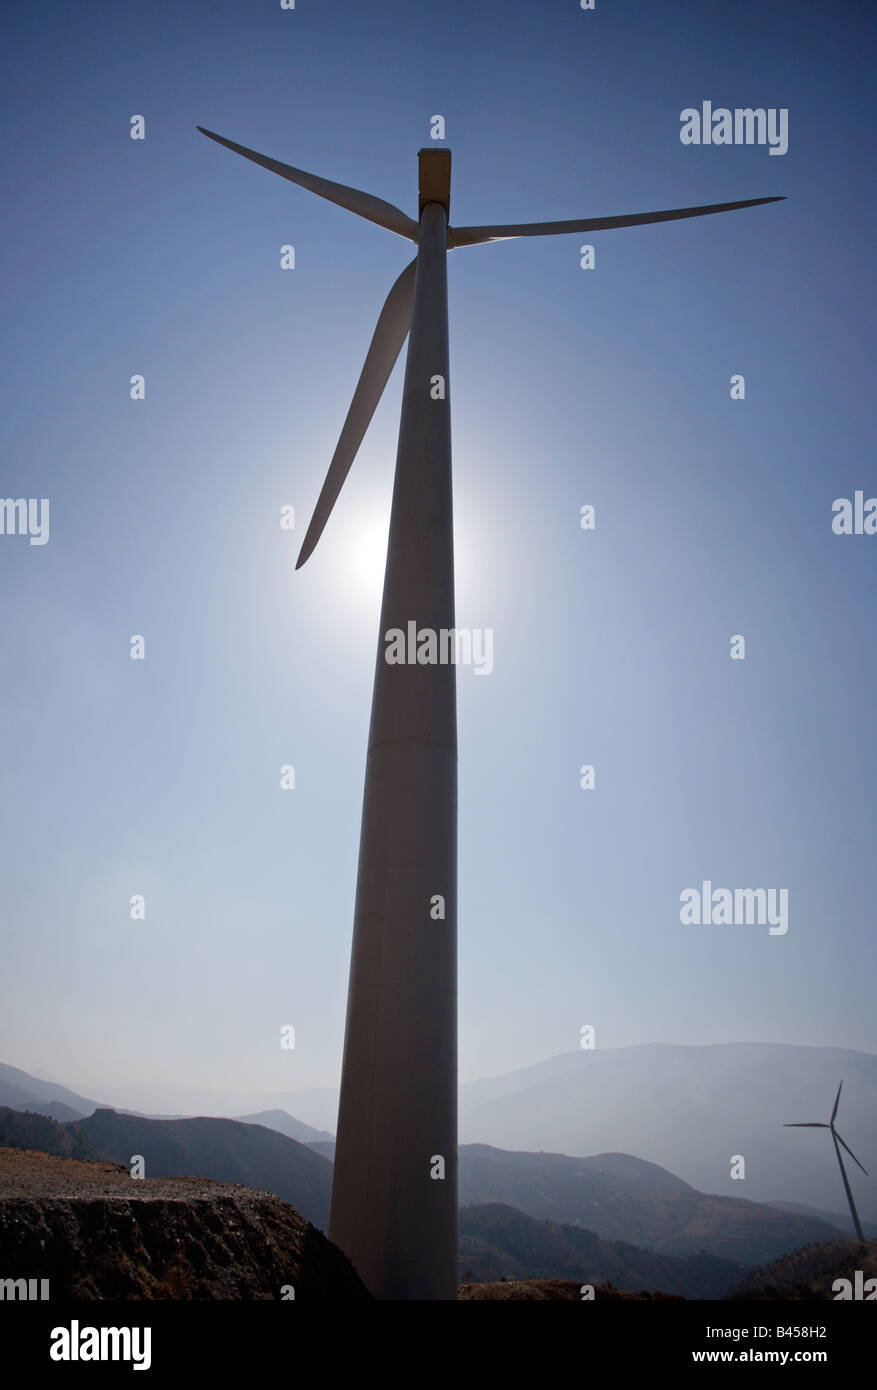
(96, 1232)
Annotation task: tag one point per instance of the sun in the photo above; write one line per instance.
(368, 557)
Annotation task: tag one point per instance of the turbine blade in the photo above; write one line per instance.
(386, 344)
(836, 1103)
(474, 236)
(364, 204)
(851, 1154)
(808, 1124)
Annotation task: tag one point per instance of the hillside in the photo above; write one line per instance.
(684, 1108)
(287, 1124)
(326, 1147)
(97, 1233)
(616, 1196)
(623, 1198)
(809, 1273)
(549, 1291)
(23, 1129)
(498, 1242)
(224, 1150)
(840, 1220)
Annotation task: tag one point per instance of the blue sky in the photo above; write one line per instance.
(611, 647)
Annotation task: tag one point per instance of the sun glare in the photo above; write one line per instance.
(368, 555)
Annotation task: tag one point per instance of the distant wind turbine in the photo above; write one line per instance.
(819, 1124)
(394, 1190)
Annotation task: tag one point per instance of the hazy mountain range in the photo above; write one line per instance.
(613, 1197)
(22, 1091)
(686, 1109)
(96, 1233)
(621, 1198)
(690, 1109)
(287, 1124)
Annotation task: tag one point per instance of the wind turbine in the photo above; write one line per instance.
(819, 1124)
(394, 1193)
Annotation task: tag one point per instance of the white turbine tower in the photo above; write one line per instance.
(394, 1195)
(820, 1124)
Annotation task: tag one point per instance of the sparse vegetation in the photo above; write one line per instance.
(25, 1129)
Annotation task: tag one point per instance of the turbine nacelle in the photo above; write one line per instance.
(434, 186)
(434, 178)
